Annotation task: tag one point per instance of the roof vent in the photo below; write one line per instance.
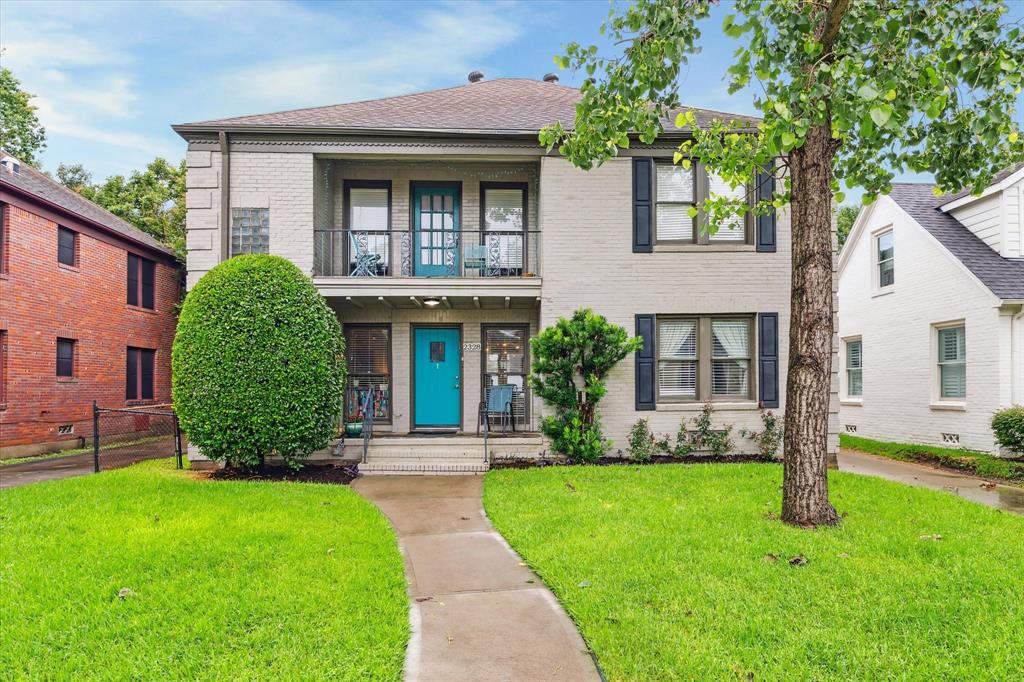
(11, 165)
(476, 76)
(550, 78)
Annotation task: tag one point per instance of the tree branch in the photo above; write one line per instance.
(829, 27)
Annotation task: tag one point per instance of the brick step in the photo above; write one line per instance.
(408, 468)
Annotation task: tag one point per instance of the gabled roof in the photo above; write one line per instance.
(996, 179)
(30, 181)
(1003, 276)
(500, 106)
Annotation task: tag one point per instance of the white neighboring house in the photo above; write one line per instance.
(931, 314)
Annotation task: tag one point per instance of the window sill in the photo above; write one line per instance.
(699, 405)
(140, 402)
(67, 380)
(883, 292)
(69, 268)
(140, 309)
(945, 405)
(855, 402)
(3, 407)
(703, 248)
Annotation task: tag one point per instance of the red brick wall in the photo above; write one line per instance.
(41, 300)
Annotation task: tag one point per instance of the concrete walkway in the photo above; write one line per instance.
(1007, 497)
(477, 612)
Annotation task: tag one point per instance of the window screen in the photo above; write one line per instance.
(66, 243)
(677, 358)
(369, 372)
(250, 230)
(65, 357)
(952, 363)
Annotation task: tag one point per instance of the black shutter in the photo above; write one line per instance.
(768, 359)
(148, 268)
(765, 228)
(146, 369)
(643, 232)
(131, 376)
(133, 279)
(645, 363)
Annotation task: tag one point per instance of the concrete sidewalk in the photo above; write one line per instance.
(477, 612)
(1007, 497)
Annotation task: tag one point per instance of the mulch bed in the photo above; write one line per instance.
(519, 463)
(311, 473)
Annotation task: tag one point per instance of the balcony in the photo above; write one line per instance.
(426, 253)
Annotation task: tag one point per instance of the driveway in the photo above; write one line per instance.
(1006, 497)
(111, 457)
(477, 613)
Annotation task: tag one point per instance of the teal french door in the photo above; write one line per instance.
(437, 362)
(436, 231)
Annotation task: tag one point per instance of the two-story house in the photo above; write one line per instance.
(87, 313)
(445, 238)
(931, 314)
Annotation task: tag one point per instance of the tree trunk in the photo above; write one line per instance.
(808, 385)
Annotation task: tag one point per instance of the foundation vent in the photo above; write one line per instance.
(951, 438)
(65, 429)
(851, 428)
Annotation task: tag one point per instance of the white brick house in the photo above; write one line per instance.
(931, 314)
(445, 238)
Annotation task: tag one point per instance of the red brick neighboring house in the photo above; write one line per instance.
(87, 312)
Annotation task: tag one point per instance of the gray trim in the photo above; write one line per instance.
(225, 195)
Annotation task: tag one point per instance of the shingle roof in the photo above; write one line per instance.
(35, 183)
(1003, 276)
(504, 105)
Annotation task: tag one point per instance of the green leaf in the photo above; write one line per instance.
(936, 107)
(677, 157)
(890, 95)
(692, 211)
(867, 92)
(788, 140)
(880, 113)
(680, 120)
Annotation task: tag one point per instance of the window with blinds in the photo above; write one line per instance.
(675, 190)
(730, 357)
(733, 229)
(505, 362)
(503, 213)
(368, 352)
(854, 368)
(369, 222)
(952, 363)
(677, 358)
(368, 208)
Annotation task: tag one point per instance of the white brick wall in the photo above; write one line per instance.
(931, 286)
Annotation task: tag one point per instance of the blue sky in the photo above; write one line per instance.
(112, 76)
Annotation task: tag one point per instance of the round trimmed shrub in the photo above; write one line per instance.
(258, 363)
(1008, 427)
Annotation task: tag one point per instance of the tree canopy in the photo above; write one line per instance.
(21, 134)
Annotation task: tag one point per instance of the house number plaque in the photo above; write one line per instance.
(471, 346)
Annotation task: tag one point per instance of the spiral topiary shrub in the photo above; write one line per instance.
(258, 363)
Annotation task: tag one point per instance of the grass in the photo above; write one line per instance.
(668, 572)
(226, 580)
(978, 463)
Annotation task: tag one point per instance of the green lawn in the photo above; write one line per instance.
(977, 463)
(227, 580)
(668, 571)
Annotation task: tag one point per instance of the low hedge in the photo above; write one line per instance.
(977, 463)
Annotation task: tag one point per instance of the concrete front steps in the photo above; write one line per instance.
(444, 455)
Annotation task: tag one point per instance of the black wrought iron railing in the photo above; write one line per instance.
(426, 253)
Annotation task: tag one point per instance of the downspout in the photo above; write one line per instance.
(1017, 354)
(225, 196)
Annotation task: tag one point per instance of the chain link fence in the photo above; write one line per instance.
(123, 436)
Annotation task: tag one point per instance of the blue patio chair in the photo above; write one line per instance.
(474, 256)
(497, 403)
(366, 263)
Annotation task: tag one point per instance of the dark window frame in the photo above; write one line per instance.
(3, 368)
(4, 213)
(346, 218)
(141, 283)
(65, 361)
(136, 382)
(486, 185)
(62, 248)
(705, 359)
(701, 191)
(484, 374)
(347, 328)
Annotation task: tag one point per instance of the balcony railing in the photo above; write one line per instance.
(426, 253)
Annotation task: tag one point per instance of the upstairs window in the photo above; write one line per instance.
(677, 190)
(854, 368)
(952, 363)
(500, 249)
(141, 275)
(250, 230)
(65, 358)
(139, 375)
(884, 259)
(67, 246)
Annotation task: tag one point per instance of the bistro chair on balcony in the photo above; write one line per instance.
(497, 403)
(366, 263)
(474, 257)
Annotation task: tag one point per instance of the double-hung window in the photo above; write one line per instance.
(139, 374)
(704, 358)
(952, 363)
(65, 358)
(141, 275)
(67, 246)
(884, 263)
(369, 219)
(250, 230)
(678, 191)
(505, 363)
(854, 368)
(368, 348)
(500, 250)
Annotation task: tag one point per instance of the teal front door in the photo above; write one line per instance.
(437, 381)
(436, 231)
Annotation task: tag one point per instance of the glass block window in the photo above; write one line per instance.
(952, 362)
(505, 362)
(884, 251)
(677, 358)
(854, 368)
(730, 357)
(675, 195)
(250, 230)
(368, 350)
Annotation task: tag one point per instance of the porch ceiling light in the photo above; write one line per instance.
(431, 301)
